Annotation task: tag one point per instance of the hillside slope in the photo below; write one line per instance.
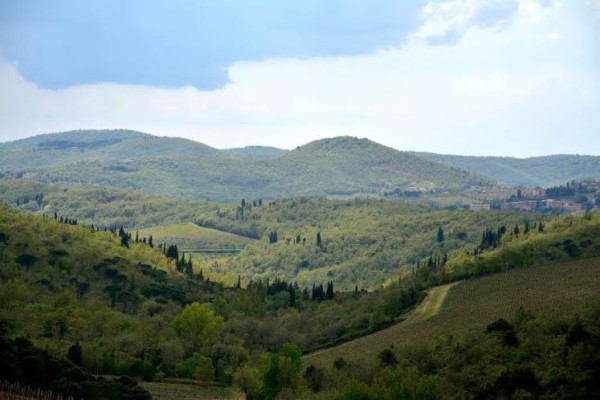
(554, 288)
(256, 152)
(186, 169)
(529, 172)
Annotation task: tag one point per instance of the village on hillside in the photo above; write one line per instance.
(575, 196)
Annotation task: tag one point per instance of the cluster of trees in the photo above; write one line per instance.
(319, 295)
(24, 363)
(38, 198)
(65, 220)
(570, 189)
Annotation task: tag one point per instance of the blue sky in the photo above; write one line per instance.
(505, 77)
(63, 43)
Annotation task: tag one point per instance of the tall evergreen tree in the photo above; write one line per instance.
(189, 268)
(329, 294)
(319, 239)
(440, 235)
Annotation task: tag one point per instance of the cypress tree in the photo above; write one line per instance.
(329, 294)
(189, 268)
(292, 293)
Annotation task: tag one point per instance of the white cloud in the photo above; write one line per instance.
(507, 92)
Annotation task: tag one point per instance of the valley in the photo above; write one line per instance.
(339, 268)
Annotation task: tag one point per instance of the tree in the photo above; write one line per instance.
(329, 292)
(516, 230)
(204, 370)
(282, 371)
(319, 239)
(189, 268)
(74, 354)
(387, 357)
(440, 235)
(248, 380)
(197, 325)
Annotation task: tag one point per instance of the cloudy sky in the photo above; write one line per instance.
(512, 78)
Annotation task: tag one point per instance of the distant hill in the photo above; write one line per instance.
(529, 172)
(59, 149)
(186, 169)
(256, 152)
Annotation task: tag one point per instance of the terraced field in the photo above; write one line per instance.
(191, 237)
(558, 288)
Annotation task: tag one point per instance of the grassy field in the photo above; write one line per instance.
(558, 288)
(189, 236)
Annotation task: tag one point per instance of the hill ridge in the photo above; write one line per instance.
(183, 168)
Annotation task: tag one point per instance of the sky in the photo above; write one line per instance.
(498, 77)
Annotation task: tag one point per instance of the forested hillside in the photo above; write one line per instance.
(186, 169)
(529, 172)
(132, 310)
(256, 152)
(127, 309)
(363, 242)
(355, 242)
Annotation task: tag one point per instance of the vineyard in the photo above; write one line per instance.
(183, 391)
(557, 288)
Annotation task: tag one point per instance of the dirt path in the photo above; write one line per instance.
(429, 307)
(432, 303)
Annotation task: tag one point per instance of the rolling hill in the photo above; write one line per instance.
(186, 169)
(529, 172)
